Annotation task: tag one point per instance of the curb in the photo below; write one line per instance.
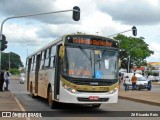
(139, 100)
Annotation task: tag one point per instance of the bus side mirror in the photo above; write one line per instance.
(61, 52)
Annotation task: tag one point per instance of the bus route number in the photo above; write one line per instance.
(103, 88)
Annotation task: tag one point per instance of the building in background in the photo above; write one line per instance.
(153, 68)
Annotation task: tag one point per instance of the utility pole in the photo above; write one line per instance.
(129, 59)
(9, 61)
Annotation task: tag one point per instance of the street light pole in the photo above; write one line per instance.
(75, 9)
(29, 15)
(119, 33)
(134, 30)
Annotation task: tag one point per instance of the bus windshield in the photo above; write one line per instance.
(90, 63)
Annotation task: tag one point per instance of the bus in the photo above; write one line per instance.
(76, 68)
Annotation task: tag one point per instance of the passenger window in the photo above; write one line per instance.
(32, 65)
(52, 61)
(42, 60)
(53, 51)
(47, 54)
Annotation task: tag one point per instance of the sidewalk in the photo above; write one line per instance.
(143, 96)
(8, 102)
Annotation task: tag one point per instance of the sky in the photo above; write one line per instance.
(102, 17)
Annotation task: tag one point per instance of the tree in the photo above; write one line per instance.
(135, 48)
(150, 69)
(15, 60)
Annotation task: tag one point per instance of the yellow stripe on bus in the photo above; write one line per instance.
(87, 87)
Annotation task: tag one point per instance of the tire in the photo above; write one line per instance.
(96, 105)
(149, 86)
(52, 104)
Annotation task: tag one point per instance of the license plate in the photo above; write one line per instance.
(93, 98)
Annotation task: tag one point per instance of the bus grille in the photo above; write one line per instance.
(90, 81)
(97, 83)
(91, 91)
(88, 100)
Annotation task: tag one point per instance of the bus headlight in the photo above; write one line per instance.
(113, 91)
(69, 88)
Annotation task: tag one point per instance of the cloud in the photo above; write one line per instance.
(32, 7)
(28, 6)
(139, 12)
(155, 47)
(105, 17)
(156, 56)
(22, 35)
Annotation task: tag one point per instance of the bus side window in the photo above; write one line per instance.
(52, 56)
(32, 65)
(47, 55)
(52, 61)
(42, 60)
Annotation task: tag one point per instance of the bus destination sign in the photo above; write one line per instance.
(91, 41)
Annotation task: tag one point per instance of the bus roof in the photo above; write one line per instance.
(61, 39)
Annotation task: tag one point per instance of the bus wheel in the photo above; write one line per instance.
(50, 101)
(96, 105)
(31, 91)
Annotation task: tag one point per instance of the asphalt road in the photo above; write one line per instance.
(82, 112)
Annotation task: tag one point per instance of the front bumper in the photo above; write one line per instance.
(87, 97)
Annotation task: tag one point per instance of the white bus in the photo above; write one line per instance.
(76, 68)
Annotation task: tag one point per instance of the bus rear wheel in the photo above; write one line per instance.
(52, 104)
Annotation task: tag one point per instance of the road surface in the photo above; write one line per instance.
(75, 112)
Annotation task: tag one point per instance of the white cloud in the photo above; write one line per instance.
(155, 46)
(20, 33)
(140, 12)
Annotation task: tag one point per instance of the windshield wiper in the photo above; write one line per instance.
(85, 53)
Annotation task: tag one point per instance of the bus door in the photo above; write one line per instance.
(37, 72)
(28, 71)
(57, 73)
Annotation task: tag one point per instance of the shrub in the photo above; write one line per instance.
(14, 71)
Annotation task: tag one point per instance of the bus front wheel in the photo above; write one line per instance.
(51, 103)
